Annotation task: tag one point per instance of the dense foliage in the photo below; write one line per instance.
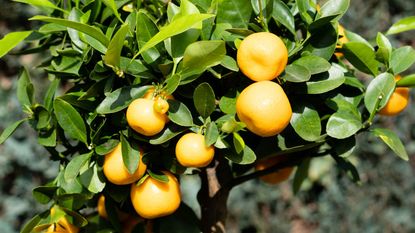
(108, 53)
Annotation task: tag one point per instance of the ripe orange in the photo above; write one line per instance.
(262, 56)
(154, 199)
(160, 99)
(116, 172)
(275, 177)
(342, 40)
(397, 102)
(264, 108)
(191, 151)
(62, 226)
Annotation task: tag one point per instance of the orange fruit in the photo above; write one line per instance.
(264, 108)
(342, 40)
(62, 226)
(397, 102)
(152, 93)
(262, 56)
(154, 199)
(143, 118)
(275, 177)
(102, 211)
(115, 170)
(191, 151)
(161, 106)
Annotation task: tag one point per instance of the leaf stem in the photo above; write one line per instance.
(369, 121)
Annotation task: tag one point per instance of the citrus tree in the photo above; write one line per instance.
(142, 93)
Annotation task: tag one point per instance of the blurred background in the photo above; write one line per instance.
(329, 201)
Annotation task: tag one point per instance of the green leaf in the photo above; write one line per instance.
(70, 120)
(227, 103)
(322, 42)
(25, 91)
(306, 121)
(407, 81)
(384, 52)
(304, 7)
(296, 73)
(380, 87)
(403, 25)
(200, 56)
(146, 29)
(235, 12)
(247, 156)
(158, 176)
(111, 5)
(343, 147)
(11, 40)
(300, 175)
(212, 133)
(93, 179)
(392, 140)
(44, 194)
(334, 7)
(33, 222)
(177, 26)
(172, 83)
(47, 138)
(130, 155)
(75, 165)
(168, 133)
(238, 142)
(343, 124)
(347, 167)
(87, 29)
(113, 55)
(361, 56)
(327, 81)
(77, 219)
(106, 147)
(179, 113)
(10, 130)
(402, 58)
(41, 3)
(282, 14)
(229, 63)
(50, 94)
(204, 100)
(314, 64)
(121, 98)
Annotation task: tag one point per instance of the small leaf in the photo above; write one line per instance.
(113, 6)
(172, 83)
(212, 134)
(238, 142)
(44, 194)
(75, 165)
(11, 40)
(50, 94)
(334, 7)
(300, 175)
(168, 133)
(77, 219)
(158, 176)
(70, 120)
(296, 73)
(314, 64)
(361, 56)
(384, 51)
(113, 55)
(227, 103)
(177, 26)
(87, 29)
(380, 87)
(306, 121)
(130, 155)
(204, 100)
(33, 222)
(282, 14)
(229, 63)
(93, 179)
(403, 25)
(10, 130)
(327, 81)
(121, 98)
(407, 81)
(392, 140)
(343, 124)
(247, 156)
(402, 58)
(179, 113)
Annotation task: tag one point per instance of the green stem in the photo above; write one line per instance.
(369, 121)
(261, 17)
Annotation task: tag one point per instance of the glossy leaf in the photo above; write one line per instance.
(93, 179)
(121, 98)
(343, 124)
(41, 3)
(247, 156)
(212, 134)
(303, 8)
(361, 56)
(112, 5)
(158, 176)
(282, 14)
(204, 100)
(146, 29)
(334, 7)
(172, 83)
(322, 42)
(384, 52)
(402, 58)
(87, 29)
(113, 55)
(75, 165)
(296, 73)
(70, 120)
(234, 12)
(392, 140)
(406, 81)
(380, 87)
(168, 133)
(179, 113)
(130, 155)
(326, 81)
(314, 64)
(403, 25)
(11, 40)
(44, 194)
(227, 103)
(306, 121)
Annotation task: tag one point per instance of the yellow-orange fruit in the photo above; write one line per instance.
(191, 151)
(275, 177)
(397, 102)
